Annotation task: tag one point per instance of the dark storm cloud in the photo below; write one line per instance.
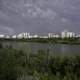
(39, 15)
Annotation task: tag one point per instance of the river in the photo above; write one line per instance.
(55, 49)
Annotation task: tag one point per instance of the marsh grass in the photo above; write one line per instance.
(19, 65)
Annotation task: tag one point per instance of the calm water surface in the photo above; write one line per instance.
(56, 49)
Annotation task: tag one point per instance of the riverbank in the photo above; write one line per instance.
(74, 41)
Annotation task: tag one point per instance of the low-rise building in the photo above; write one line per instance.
(43, 36)
(14, 36)
(2, 36)
(23, 35)
(35, 36)
(53, 35)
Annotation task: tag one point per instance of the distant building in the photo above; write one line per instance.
(2, 36)
(50, 35)
(56, 36)
(43, 36)
(53, 35)
(66, 34)
(35, 36)
(14, 36)
(23, 35)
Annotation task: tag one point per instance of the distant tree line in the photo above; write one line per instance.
(47, 40)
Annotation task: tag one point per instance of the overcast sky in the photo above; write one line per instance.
(39, 16)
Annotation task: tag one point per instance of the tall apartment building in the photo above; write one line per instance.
(66, 34)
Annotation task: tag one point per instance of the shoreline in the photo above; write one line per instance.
(42, 40)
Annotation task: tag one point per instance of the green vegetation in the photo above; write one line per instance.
(47, 40)
(11, 63)
(17, 65)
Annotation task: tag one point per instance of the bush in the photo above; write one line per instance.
(12, 64)
(1, 46)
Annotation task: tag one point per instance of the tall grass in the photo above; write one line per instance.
(17, 65)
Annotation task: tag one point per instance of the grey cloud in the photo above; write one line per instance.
(40, 15)
(6, 29)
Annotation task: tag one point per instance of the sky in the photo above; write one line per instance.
(39, 16)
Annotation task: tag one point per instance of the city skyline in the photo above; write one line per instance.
(39, 16)
(63, 34)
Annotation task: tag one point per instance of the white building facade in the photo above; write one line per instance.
(2, 36)
(66, 34)
(23, 35)
(53, 35)
(14, 36)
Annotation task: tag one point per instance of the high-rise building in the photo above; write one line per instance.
(66, 34)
